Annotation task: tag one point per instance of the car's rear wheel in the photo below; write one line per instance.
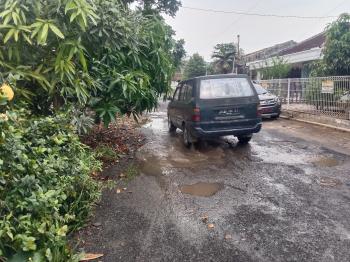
(171, 126)
(186, 137)
(244, 139)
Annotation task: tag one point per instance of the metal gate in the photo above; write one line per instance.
(317, 96)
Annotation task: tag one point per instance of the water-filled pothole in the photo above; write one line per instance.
(325, 162)
(151, 167)
(329, 182)
(202, 189)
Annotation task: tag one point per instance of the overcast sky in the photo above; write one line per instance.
(202, 30)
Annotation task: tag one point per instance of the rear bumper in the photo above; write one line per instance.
(197, 131)
(271, 111)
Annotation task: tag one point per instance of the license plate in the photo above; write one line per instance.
(229, 112)
(266, 110)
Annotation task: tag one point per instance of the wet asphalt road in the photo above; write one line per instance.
(284, 197)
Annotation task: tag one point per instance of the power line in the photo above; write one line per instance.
(256, 14)
(327, 13)
(336, 7)
(239, 17)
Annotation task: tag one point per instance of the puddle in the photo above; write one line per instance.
(151, 167)
(329, 182)
(181, 157)
(325, 162)
(202, 189)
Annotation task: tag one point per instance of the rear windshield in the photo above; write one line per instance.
(225, 88)
(259, 89)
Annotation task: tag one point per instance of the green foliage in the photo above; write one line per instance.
(131, 81)
(41, 52)
(82, 122)
(223, 56)
(336, 59)
(169, 7)
(106, 153)
(314, 95)
(131, 172)
(279, 68)
(45, 188)
(179, 53)
(88, 52)
(195, 66)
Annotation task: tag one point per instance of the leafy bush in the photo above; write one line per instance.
(315, 97)
(87, 52)
(45, 188)
(276, 69)
(82, 121)
(195, 66)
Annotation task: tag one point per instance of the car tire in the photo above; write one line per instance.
(171, 126)
(186, 137)
(275, 117)
(244, 139)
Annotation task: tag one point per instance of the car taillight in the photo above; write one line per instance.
(258, 110)
(196, 117)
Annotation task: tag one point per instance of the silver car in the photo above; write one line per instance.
(270, 104)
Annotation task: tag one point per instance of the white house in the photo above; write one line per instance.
(298, 55)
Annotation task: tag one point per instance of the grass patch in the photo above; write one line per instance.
(106, 154)
(131, 172)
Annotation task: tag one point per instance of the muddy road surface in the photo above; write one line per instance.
(283, 197)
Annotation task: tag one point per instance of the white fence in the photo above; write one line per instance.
(319, 96)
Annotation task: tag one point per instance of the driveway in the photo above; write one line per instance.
(284, 197)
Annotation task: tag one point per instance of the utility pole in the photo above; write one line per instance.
(233, 59)
(238, 58)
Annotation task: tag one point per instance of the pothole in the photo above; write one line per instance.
(151, 167)
(325, 161)
(202, 189)
(329, 182)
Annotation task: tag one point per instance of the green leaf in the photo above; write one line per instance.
(56, 31)
(48, 254)
(4, 13)
(16, 35)
(82, 60)
(69, 6)
(73, 16)
(29, 243)
(26, 37)
(62, 231)
(9, 234)
(37, 27)
(43, 36)
(8, 35)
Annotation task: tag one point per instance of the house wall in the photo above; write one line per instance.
(300, 57)
(299, 62)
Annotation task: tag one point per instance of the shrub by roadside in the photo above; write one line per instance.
(45, 188)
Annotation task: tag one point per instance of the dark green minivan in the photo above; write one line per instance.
(213, 106)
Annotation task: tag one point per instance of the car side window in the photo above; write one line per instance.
(183, 93)
(177, 92)
(189, 93)
(186, 93)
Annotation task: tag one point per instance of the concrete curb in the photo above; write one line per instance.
(316, 123)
